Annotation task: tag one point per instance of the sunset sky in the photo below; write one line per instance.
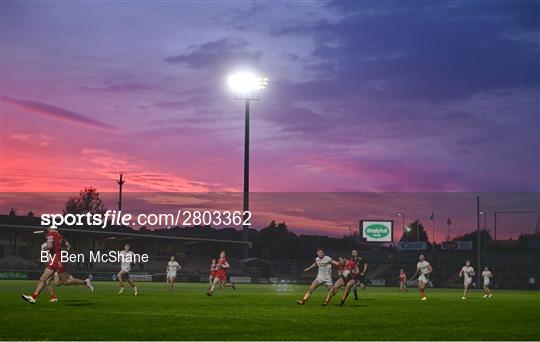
(362, 96)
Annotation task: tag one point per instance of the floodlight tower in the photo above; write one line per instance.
(402, 214)
(246, 86)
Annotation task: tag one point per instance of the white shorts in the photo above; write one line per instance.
(486, 282)
(467, 281)
(324, 281)
(171, 275)
(126, 269)
(423, 279)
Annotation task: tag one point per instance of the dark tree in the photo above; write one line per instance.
(414, 228)
(87, 201)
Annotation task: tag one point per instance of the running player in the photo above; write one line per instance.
(172, 267)
(221, 274)
(213, 274)
(425, 270)
(467, 272)
(487, 275)
(52, 280)
(125, 269)
(357, 277)
(55, 243)
(349, 277)
(324, 275)
(362, 277)
(344, 271)
(402, 281)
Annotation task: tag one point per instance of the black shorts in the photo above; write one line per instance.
(363, 280)
(125, 275)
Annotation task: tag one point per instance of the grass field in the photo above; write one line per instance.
(259, 312)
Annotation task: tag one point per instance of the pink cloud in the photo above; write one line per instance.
(140, 175)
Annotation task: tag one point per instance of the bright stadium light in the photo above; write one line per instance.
(246, 85)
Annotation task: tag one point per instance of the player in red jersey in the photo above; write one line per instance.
(357, 275)
(55, 243)
(344, 270)
(342, 266)
(402, 281)
(347, 276)
(355, 278)
(213, 274)
(221, 274)
(54, 280)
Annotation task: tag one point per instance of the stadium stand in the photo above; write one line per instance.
(20, 248)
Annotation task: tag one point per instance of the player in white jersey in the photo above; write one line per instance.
(172, 267)
(324, 274)
(467, 272)
(487, 275)
(425, 270)
(125, 269)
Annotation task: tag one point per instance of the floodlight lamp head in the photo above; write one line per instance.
(246, 85)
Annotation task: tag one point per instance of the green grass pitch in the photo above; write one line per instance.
(259, 312)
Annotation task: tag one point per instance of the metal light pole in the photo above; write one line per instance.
(402, 214)
(433, 230)
(120, 182)
(478, 263)
(417, 231)
(245, 228)
(485, 230)
(246, 86)
(350, 238)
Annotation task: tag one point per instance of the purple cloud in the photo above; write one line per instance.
(58, 113)
(222, 52)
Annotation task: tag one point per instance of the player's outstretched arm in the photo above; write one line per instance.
(310, 267)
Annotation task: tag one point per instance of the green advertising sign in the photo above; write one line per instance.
(377, 231)
(13, 275)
